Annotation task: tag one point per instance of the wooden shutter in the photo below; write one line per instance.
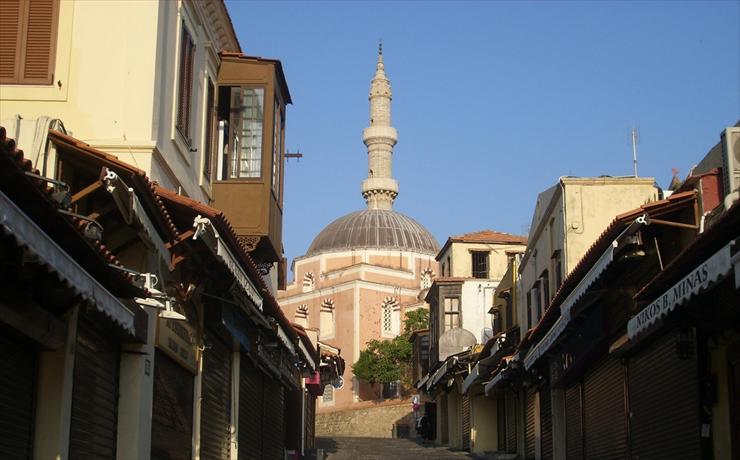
(466, 422)
(28, 34)
(185, 84)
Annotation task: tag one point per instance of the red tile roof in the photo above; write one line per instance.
(490, 236)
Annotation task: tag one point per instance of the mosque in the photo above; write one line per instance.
(366, 269)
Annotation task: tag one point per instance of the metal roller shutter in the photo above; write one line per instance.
(310, 402)
(546, 423)
(604, 421)
(215, 425)
(94, 420)
(664, 402)
(273, 416)
(573, 422)
(172, 410)
(511, 422)
(250, 410)
(18, 382)
(529, 424)
(466, 422)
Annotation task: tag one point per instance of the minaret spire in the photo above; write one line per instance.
(380, 189)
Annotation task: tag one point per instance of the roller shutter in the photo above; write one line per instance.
(310, 426)
(172, 410)
(658, 380)
(273, 418)
(604, 421)
(546, 423)
(215, 425)
(573, 422)
(465, 422)
(511, 422)
(94, 394)
(250, 410)
(529, 421)
(18, 382)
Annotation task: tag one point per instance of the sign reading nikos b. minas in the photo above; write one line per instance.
(698, 279)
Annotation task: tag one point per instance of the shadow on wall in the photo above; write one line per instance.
(405, 427)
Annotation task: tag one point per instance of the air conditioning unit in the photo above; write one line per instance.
(731, 159)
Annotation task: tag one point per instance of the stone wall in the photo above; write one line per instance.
(375, 420)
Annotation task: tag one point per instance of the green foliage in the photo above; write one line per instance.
(415, 320)
(384, 361)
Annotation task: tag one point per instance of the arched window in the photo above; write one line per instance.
(326, 326)
(427, 275)
(390, 317)
(301, 315)
(309, 283)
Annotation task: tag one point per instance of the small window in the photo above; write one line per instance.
(480, 264)
(301, 315)
(557, 269)
(545, 283)
(185, 84)
(529, 310)
(452, 313)
(426, 278)
(326, 326)
(29, 41)
(309, 282)
(390, 317)
(209, 140)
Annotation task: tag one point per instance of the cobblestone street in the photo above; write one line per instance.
(341, 448)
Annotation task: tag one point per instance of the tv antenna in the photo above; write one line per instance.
(297, 155)
(635, 141)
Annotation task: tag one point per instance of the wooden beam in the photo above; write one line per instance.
(86, 191)
(183, 236)
(95, 215)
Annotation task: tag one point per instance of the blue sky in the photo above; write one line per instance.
(493, 101)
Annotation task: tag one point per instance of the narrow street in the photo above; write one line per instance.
(341, 448)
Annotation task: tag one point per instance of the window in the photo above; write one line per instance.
(308, 282)
(452, 313)
(277, 146)
(426, 278)
(326, 326)
(29, 38)
(480, 264)
(328, 396)
(209, 141)
(449, 266)
(247, 112)
(301, 315)
(556, 262)
(536, 302)
(390, 389)
(529, 310)
(390, 317)
(185, 84)
(545, 280)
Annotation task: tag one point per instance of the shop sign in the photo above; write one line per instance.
(177, 339)
(698, 279)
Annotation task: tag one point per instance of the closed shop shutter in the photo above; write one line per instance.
(94, 394)
(215, 425)
(512, 420)
(604, 421)
(310, 420)
(18, 382)
(172, 410)
(529, 424)
(273, 419)
(546, 423)
(501, 423)
(573, 422)
(250, 410)
(465, 422)
(664, 403)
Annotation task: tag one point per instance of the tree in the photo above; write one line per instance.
(385, 361)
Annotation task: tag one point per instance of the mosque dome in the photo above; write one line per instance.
(374, 229)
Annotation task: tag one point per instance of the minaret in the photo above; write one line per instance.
(380, 189)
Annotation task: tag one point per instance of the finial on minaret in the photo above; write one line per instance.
(380, 189)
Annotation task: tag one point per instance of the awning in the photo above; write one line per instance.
(472, 377)
(493, 382)
(700, 278)
(593, 274)
(421, 382)
(547, 341)
(437, 376)
(736, 264)
(18, 225)
(205, 230)
(131, 209)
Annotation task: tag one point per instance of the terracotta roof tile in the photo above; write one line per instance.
(489, 236)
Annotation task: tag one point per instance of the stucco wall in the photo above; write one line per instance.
(477, 299)
(483, 424)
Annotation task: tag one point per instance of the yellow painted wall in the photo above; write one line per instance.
(462, 261)
(483, 424)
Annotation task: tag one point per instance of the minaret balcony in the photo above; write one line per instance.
(380, 183)
(387, 134)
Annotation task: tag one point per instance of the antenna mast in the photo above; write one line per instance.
(635, 140)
